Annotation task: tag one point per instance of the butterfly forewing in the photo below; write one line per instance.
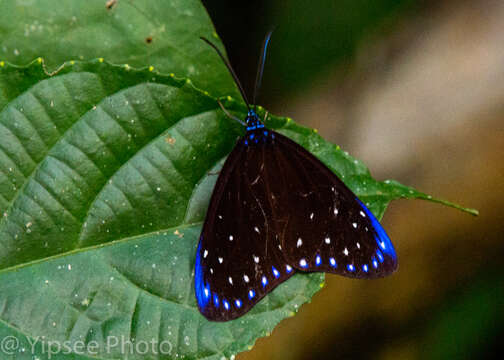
(328, 228)
(239, 258)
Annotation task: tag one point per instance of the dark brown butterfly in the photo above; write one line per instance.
(275, 210)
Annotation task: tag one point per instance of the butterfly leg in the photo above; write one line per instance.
(230, 115)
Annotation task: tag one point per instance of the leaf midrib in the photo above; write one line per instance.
(98, 246)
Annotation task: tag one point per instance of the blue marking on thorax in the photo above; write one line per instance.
(256, 131)
(381, 237)
(202, 291)
(253, 121)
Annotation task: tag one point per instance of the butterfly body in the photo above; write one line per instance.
(276, 210)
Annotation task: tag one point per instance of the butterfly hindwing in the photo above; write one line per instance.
(328, 229)
(239, 258)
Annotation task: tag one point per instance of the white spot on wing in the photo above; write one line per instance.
(205, 253)
(230, 280)
(221, 260)
(354, 225)
(345, 252)
(335, 211)
(256, 229)
(362, 213)
(327, 240)
(256, 259)
(231, 237)
(358, 246)
(299, 242)
(246, 278)
(302, 263)
(311, 216)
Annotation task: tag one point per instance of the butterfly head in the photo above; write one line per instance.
(253, 121)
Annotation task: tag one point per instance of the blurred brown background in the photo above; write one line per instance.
(415, 89)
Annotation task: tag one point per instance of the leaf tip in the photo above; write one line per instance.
(151, 68)
(473, 212)
(100, 59)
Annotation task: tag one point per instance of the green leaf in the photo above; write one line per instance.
(105, 176)
(163, 34)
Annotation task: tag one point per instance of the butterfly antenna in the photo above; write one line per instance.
(260, 67)
(228, 65)
(230, 115)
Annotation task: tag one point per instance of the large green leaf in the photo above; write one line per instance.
(160, 33)
(105, 176)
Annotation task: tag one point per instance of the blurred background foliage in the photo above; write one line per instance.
(416, 90)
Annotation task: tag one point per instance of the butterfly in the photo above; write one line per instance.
(277, 210)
